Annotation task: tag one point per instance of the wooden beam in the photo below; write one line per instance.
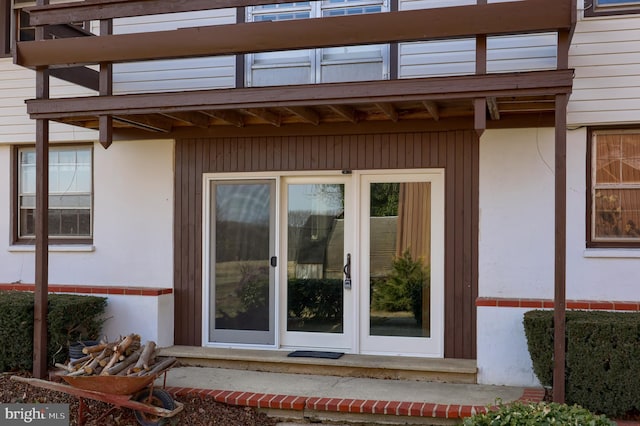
(480, 115)
(388, 110)
(41, 290)
(265, 114)
(374, 28)
(307, 114)
(146, 122)
(88, 10)
(208, 101)
(345, 112)
(433, 109)
(105, 129)
(560, 255)
(230, 117)
(494, 111)
(82, 76)
(194, 118)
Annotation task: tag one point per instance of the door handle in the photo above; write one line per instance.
(347, 273)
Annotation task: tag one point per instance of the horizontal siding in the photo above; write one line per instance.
(605, 54)
(18, 84)
(179, 74)
(457, 57)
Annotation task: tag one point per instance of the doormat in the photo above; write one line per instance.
(315, 354)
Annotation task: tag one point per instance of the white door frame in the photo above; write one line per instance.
(432, 346)
(356, 243)
(316, 340)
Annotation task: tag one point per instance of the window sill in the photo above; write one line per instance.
(57, 248)
(612, 253)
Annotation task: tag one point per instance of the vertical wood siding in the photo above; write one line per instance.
(455, 151)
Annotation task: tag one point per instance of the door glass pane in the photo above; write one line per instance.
(399, 257)
(315, 228)
(241, 254)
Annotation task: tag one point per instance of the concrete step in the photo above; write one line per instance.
(307, 398)
(363, 366)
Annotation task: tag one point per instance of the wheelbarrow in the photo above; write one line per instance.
(152, 406)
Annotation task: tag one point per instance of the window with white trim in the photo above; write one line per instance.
(610, 7)
(615, 189)
(308, 66)
(70, 193)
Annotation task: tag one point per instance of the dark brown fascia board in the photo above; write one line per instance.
(88, 10)
(423, 89)
(447, 22)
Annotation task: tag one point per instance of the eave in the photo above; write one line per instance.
(428, 100)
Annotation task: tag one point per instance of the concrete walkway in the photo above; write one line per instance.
(305, 397)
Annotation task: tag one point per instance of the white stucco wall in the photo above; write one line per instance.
(133, 237)
(516, 244)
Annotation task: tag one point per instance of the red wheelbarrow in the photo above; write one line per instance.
(152, 406)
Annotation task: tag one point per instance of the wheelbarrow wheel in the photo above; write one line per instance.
(157, 398)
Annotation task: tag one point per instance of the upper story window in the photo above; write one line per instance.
(615, 189)
(610, 7)
(307, 66)
(70, 193)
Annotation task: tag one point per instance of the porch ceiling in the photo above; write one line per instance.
(510, 97)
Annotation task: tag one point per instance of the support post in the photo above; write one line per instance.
(559, 305)
(105, 122)
(41, 291)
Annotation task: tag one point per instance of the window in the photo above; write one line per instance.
(70, 194)
(308, 66)
(610, 7)
(615, 189)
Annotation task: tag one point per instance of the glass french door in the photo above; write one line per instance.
(317, 244)
(351, 262)
(242, 260)
(402, 263)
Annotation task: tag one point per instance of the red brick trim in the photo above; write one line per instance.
(592, 305)
(88, 289)
(346, 405)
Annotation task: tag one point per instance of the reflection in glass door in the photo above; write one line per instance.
(242, 273)
(316, 294)
(402, 301)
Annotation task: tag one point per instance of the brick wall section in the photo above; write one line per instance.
(346, 405)
(88, 289)
(591, 305)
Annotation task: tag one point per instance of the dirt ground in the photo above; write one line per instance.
(201, 411)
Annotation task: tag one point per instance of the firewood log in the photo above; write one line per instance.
(94, 349)
(161, 366)
(121, 366)
(145, 357)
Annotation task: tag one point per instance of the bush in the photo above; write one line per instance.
(602, 360)
(70, 318)
(402, 290)
(318, 299)
(537, 414)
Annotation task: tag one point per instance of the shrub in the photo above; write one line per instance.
(319, 299)
(537, 414)
(402, 290)
(602, 360)
(70, 318)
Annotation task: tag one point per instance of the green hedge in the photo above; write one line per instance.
(602, 360)
(70, 318)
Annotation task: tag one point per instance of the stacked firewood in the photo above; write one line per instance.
(124, 357)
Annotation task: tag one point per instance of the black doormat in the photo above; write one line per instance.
(315, 354)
